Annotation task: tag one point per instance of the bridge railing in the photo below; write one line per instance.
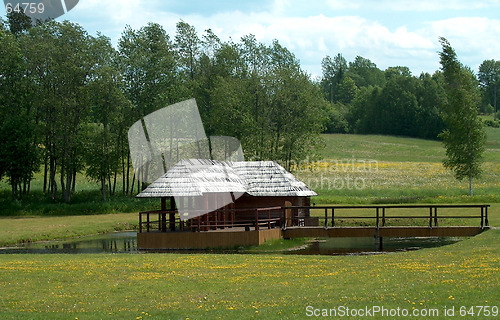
(331, 216)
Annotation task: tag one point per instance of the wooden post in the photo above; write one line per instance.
(140, 222)
(333, 217)
(486, 216)
(383, 217)
(269, 219)
(231, 213)
(378, 219)
(216, 215)
(256, 220)
(326, 217)
(147, 220)
(171, 217)
(435, 216)
(282, 217)
(430, 217)
(482, 217)
(163, 220)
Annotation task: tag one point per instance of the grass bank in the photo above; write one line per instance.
(29, 229)
(178, 286)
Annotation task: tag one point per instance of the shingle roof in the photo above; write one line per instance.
(194, 177)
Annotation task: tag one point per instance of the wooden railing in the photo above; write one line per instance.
(274, 217)
(380, 216)
(158, 220)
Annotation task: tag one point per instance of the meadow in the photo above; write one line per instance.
(362, 169)
(227, 286)
(462, 277)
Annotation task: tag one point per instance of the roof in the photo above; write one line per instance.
(195, 177)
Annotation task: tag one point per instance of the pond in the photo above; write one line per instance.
(116, 242)
(360, 246)
(126, 242)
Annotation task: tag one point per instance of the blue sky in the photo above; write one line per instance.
(390, 33)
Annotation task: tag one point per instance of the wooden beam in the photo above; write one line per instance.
(171, 217)
(163, 219)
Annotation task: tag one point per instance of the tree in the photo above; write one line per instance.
(365, 73)
(60, 63)
(19, 22)
(464, 136)
(262, 97)
(188, 45)
(103, 145)
(18, 151)
(489, 78)
(148, 64)
(333, 75)
(430, 95)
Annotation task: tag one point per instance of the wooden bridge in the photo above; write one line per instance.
(377, 221)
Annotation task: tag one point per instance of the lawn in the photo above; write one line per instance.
(180, 286)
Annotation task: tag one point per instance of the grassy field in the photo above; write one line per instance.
(351, 169)
(380, 169)
(270, 286)
(179, 286)
(29, 229)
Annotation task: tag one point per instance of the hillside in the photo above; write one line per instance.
(374, 169)
(353, 169)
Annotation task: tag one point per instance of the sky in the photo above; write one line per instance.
(389, 33)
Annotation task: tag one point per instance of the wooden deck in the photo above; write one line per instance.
(330, 225)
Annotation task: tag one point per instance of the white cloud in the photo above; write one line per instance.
(412, 5)
(313, 37)
(475, 39)
(343, 5)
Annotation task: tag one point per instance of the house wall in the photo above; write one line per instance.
(251, 202)
(214, 201)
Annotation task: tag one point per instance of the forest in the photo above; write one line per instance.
(67, 99)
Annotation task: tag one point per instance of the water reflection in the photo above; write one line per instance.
(126, 242)
(119, 242)
(358, 246)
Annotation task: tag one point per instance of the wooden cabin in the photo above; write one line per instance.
(208, 194)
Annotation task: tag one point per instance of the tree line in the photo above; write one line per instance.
(68, 98)
(365, 99)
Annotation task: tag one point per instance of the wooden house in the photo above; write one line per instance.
(208, 194)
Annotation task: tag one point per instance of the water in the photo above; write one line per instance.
(126, 242)
(116, 242)
(358, 246)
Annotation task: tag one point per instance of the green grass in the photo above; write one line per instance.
(397, 149)
(273, 286)
(29, 229)
(381, 148)
(407, 170)
(179, 286)
(83, 203)
(361, 169)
